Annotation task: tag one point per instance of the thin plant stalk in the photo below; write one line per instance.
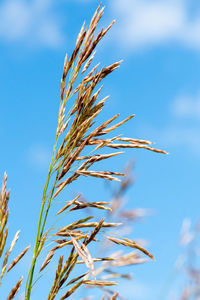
(39, 231)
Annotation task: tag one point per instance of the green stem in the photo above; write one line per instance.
(39, 232)
(41, 225)
(48, 205)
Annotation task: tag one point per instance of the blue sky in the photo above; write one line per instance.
(159, 81)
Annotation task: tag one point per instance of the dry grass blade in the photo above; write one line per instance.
(17, 259)
(47, 260)
(72, 290)
(122, 146)
(4, 213)
(97, 260)
(114, 297)
(75, 224)
(77, 278)
(132, 258)
(70, 260)
(95, 231)
(63, 243)
(116, 125)
(103, 175)
(87, 64)
(130, 243)
(42, 241)
(111, 274)
(98, 157)
(15, 239)
(54, 289)
(133, 141)
(100, 283)
(99, 205)
(84, 253)
(7, 254)
(15, 289)
(68, 205)
(3, 240)
(78, 234)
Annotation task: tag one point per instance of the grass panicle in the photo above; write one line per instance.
(5, 254)
(79, 141)
(75, 133)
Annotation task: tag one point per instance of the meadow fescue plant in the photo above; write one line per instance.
(78, 141)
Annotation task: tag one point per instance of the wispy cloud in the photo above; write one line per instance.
(31, 22)
(152, 22)
(183, 130)
(184, 137)
(38, 156)
(185, 133)
(187, 106)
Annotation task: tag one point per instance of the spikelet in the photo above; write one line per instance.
(17, 259)
(15, 289)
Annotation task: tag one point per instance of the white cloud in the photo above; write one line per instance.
(187, 106)
(30, 22)
(185, 138)
(185, 133)
(152, 22)
(38, 156)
